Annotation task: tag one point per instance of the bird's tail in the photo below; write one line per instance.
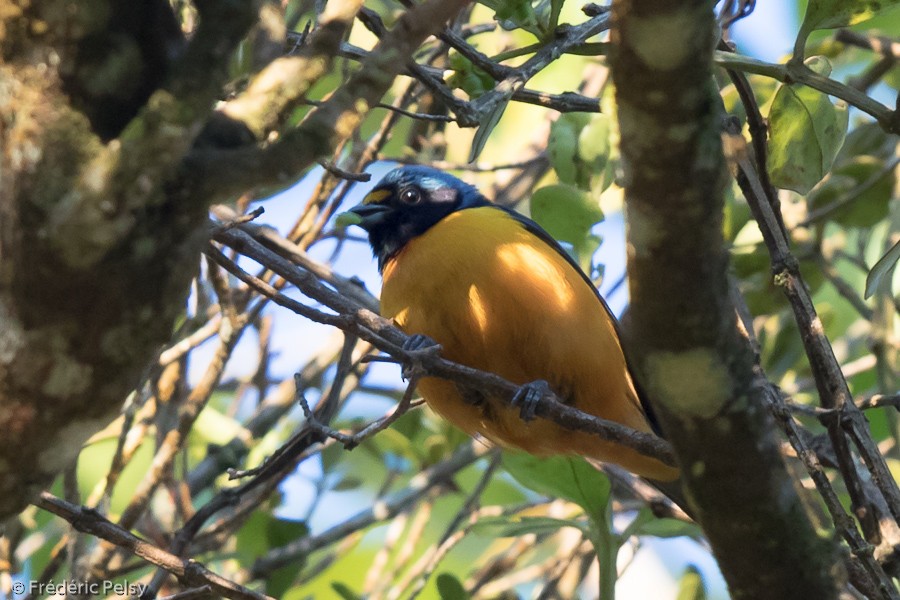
(665, 498)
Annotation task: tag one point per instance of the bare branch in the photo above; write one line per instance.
(800, 73)
(190, 572)
(386, 509)
(210, 174)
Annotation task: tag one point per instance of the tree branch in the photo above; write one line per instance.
(437, 475)
(693, 362)
(190, 572)
(209, 174)
(800, 73)
(85, 224)
(352, 318)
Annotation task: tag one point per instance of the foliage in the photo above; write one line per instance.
(418, 508)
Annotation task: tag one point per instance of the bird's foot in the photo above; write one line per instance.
(417, 347)
(528, 396)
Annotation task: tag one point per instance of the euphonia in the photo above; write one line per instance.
(499, 294)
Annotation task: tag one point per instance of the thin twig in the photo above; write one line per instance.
(453, 534)
(800, 73)
(342, 174)
(190, 572)
(386, 509)
(832, 386)
(351, 441)
(843, 522)
(886, 46)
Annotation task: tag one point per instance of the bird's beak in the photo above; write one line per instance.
(369, 216)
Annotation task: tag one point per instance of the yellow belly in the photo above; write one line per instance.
(499, 299)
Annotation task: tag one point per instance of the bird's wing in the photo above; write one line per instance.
(548, 239)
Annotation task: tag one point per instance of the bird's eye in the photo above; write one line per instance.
(410, 196)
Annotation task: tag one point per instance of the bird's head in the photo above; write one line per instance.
(406, 203)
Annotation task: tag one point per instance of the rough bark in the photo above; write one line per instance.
(101, 215)
(95, 256)
(694, 363)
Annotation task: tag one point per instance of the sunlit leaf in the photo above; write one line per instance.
(95, 460)
(828, 14)
(346, 219)
(806, 131)
(214, 427)
(394, 442)
(691, 586)
(882, 268)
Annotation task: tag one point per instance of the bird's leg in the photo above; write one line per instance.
(528, 396)
(417, 347)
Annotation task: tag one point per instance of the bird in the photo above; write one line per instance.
(500, 294)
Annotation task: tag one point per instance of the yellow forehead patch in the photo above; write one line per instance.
(376, 196)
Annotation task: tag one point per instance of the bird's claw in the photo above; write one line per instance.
(417, 347)
(528, 396)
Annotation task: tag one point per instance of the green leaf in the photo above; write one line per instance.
(555, 9)
(215, 427)
(344, 591)
(882, 268)
(828, 14)
(857, 194)
(346, 219)
(252, 539)
(594, 144)
(347, 483)
(394, 442)
(95, 460)
(518, 526)
(468, 77)
(580, 148)
(567, 477)
(490, 119)
(572, 478)
(513, 14)
(669, 528)
(568, 214)
(691, 586)
(892, 78)
(563, 145)
(332, 456)
(868, 139)
(450, 588)
(262, 532)
(806, 131)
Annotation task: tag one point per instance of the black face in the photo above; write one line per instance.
(406, 203)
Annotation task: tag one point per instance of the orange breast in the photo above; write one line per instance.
(498, 298)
